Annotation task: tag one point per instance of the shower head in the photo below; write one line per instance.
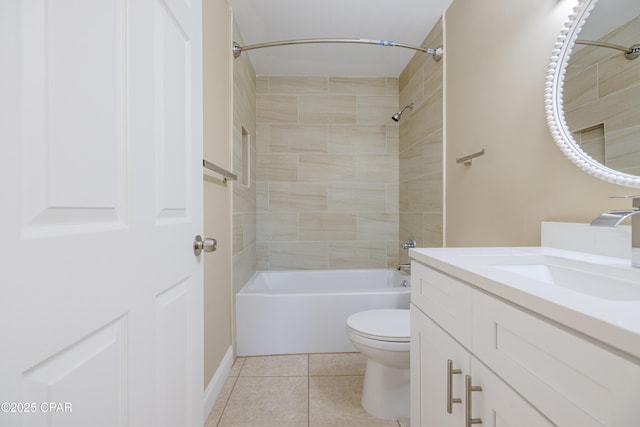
(396, 116)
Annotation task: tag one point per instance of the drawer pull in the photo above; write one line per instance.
(468, 388)
(450, 399)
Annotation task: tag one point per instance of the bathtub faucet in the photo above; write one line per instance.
(404, 267)
(613, 218)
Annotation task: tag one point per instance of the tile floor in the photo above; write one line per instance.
(300, 390)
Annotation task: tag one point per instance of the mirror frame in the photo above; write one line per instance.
(553, 99)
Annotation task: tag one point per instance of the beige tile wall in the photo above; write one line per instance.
(244, 196)
(326, 173)
(602, 88)
(421, 146)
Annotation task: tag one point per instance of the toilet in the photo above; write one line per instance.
(382, 336)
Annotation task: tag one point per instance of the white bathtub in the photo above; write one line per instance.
(289, 312)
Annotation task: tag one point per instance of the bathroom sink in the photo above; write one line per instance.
(596, 285)
(596, 280)
(596, 295)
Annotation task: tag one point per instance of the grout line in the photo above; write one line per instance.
(275, 376)
(337, 375)
(308, 390)
(233, 387)
(224, 408)
(303, 376)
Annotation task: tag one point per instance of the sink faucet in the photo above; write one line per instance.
(613, 218)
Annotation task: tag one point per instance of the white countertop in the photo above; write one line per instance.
(615, 322)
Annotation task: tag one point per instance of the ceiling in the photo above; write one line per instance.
(402, 21)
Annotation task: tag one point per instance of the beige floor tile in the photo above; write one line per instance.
(267, 402)
(237, 366)
(335, 401)
(337, 364)
(221, 402)
(290, 365)
(405, 422)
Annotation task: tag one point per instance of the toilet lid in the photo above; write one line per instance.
(384, 324)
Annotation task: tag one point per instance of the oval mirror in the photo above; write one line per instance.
(592, 95)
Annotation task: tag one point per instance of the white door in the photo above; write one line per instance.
(101, 186)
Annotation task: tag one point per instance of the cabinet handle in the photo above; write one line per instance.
(468, 388)
(450, 399)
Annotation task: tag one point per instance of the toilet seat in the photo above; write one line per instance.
(389, 325)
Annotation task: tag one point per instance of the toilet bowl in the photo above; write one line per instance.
(382, 336)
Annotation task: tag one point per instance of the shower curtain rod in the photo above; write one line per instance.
(436, 53)
(629, 52)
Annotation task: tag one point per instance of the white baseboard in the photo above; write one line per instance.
(214, 387)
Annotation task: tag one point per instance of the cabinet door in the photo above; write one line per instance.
(571, 380)
(497, 404)
(431, 348)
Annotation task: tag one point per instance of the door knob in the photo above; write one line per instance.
(207, 245)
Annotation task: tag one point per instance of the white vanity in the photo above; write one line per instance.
(535, 336)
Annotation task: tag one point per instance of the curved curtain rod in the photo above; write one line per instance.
(237, 49)
(629, 52)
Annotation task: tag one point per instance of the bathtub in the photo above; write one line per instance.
(289, 312)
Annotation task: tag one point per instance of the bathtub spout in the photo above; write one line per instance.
(404, 267)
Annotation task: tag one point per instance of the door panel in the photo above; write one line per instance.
(62, 379)
(101, 178)
(173, 342)
(173, 114)
(72, 108)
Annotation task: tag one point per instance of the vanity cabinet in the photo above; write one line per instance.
(532, 372)
(444, 366)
